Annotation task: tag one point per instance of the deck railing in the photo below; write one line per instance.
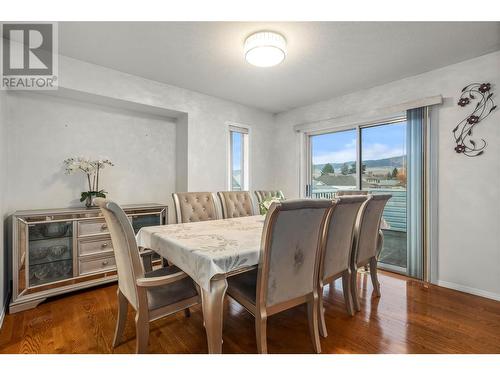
(394, 212)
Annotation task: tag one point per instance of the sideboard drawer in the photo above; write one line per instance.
(88, 266)
(91, 246)
(92, 227)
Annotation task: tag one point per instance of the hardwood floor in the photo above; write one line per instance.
(410, 317)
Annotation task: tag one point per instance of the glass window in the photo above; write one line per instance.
(333, 163)
(238, 163)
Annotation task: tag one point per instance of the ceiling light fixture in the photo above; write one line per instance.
(265, 48)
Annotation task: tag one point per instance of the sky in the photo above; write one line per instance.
(378, 142)
(237, 148)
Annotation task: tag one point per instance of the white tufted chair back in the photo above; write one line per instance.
(191, 207)
(236, 204)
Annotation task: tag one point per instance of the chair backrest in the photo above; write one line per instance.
(128, 262)
(368, 226)
(264, 194)
(190, 207)
(236, 204)
(290, 250)
(342, 193)
(339, 235)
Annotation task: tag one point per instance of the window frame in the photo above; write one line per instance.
(306, 178)
(309, 156)
(359, 139)
(245, 131)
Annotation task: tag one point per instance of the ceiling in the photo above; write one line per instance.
(324, 59)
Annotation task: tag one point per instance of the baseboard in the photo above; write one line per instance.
(466, 289)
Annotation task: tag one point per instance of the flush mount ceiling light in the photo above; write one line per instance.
(265, 48)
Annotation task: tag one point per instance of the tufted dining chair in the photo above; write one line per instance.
(153, 295)
(287, 275)
(264, 194)
(368, 242)
(236, 204)
(336, 251)
(195, 206)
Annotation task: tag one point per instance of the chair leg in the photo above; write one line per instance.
(321, 314)
(373, 274)
(187, 313)
(261, 334)
(312, 312)
(354, 288)
(346, 289)
(142, 332)
(121, 319)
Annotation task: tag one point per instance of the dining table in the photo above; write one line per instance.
(209, 252)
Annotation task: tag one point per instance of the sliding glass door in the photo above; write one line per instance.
(372, 158)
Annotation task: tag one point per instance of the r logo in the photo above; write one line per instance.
(27, 49)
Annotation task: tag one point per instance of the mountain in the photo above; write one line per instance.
(397, 161)
(394, 162)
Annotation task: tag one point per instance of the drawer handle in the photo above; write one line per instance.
(104, 227)
(104, 245)
(104, 262)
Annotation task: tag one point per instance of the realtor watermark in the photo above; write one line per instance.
(29, 56)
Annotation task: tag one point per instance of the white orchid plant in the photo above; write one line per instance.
(91, 168)
(266, 204)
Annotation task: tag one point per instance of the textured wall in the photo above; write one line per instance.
(44, 130)
(469, 208)
(207, 117)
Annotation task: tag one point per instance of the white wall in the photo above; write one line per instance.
(44, 130)
(469, 208)
(206, 115)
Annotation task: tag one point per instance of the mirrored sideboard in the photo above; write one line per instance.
(62, 250)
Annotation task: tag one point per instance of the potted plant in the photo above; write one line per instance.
(266, 204)
(91, 168)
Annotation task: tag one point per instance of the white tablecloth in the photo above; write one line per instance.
(207, 248)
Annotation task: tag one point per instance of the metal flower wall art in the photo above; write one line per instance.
(463, 132)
